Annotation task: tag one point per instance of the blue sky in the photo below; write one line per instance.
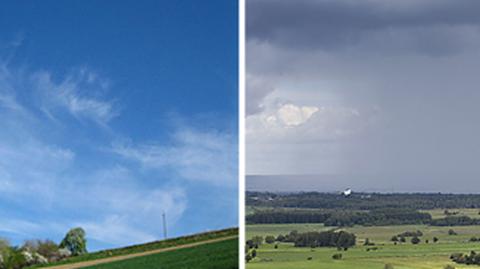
(112, 112)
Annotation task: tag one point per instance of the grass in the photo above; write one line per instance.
(440, 213)
(277, 229)
(401, 256)
(219, 255)
(146, 247)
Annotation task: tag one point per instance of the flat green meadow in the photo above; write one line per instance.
(401, 256)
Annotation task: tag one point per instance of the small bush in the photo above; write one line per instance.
(257, 240)
(280, 238)
(368, 243)
(269, 239)
(388, 266)
(337, 256)
(415, 240)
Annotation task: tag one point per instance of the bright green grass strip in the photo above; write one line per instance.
(146, 247)
(219, 255)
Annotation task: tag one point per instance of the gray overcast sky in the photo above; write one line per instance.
(382, 94)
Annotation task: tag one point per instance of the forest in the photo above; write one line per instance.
(366, 209)
(362, 201)
(377, 217)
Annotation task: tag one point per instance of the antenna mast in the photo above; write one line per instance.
(164, 225)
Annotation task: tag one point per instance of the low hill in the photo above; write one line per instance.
(216, 249)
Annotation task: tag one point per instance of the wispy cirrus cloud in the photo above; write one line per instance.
(59, 178)
(194, 154)
(77, 93)
(42, 177)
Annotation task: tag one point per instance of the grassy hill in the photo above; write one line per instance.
(219, 255)
(167, 244)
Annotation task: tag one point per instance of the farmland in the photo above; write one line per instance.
(219, 255)
(436, 243)
(405, 256)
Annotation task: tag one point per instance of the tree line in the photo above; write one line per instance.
(455, 221)
(341, 239)
(392, 216)
(363, 201)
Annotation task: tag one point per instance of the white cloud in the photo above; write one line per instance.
(19, 227)
(302, 139)
(113, 229)
(290, 123)
(134, 217)
(292, 115)
(48, 180)
(77, 94)
(207, 156)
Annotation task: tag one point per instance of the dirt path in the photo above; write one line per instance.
(129, 256)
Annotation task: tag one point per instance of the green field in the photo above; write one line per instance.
(440, 213)
(220, 255)
(145, 247)
(401, 256)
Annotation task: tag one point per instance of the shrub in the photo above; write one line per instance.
(13, 258)
(337, 256)
(388, 266)
(368, 243)
(257, 240)
(46, 248)
(269, 239)
(280, 238)
(415, 240)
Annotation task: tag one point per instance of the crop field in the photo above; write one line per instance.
(219, 255)
(155, 246)
(400, 256)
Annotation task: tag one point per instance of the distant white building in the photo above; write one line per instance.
(347, 192)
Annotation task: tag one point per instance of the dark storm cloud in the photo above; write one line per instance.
(400, 79)
(330, 24)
